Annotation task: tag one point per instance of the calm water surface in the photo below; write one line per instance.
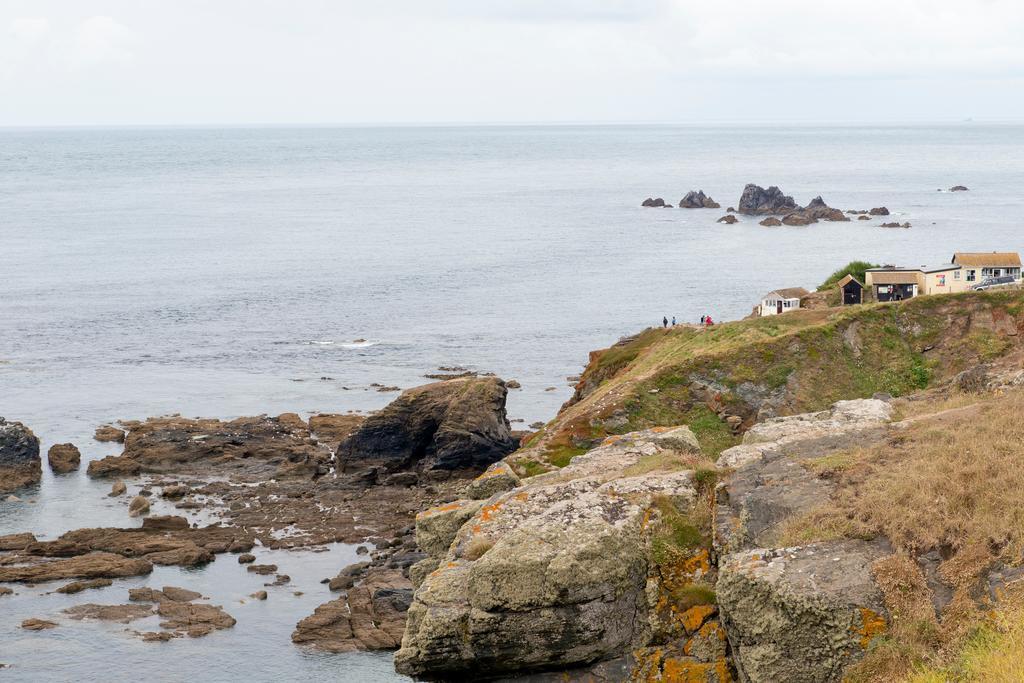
(228, 272)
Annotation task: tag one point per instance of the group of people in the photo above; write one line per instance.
(704, 320)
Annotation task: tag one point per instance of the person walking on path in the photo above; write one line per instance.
(708, 321)
(702, 319)
(673, 321)
(664, 321)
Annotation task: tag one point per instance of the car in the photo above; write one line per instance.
(990, 282)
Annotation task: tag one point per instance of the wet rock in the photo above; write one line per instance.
(165, 523)
(19, 456)
(332, 429)
(195, 620)
(879, 211)
(348, 576)
(958, 188)
(37, 624)
(88, 566)
(696, 199)
(863, 218)
(109, 433)
(798, 218)
(63, 458)
(513, 384)
(246, 558)
(452, 425)
(118, 613)
(370, 616)
(79, 586)
(175, 492)
(138, 507)
(262, 568)
(770, 222)
(259, 595)
(498, 478)
(801, 613)
(728, 219)
(262, 446)
(756, 200)
(18, 541)
(658, 202)
(180, 594)
(118, 489)
(895, 225)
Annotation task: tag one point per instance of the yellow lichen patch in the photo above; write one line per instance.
(661, 430)
(872, 624)
(609, 440)
(487, 511)
(693, 618)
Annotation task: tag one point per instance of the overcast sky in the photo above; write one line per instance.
(71, 62)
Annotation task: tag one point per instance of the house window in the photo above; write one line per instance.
(956, 274)
(971, 277)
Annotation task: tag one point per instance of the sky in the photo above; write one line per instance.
(243, 62)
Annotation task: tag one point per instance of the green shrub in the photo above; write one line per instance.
(854, 268)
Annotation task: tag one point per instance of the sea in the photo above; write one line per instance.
(221, 272)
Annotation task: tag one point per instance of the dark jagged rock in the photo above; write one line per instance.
(879, 211)
(958, 188)
(63, 458)
(458, 424)
(696, 199)
(659, 202)
(895, 225)
(728, 219)
(756, 200)
(19, 456)
(822, 211)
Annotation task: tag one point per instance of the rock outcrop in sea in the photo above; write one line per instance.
(756, 200)
(696, 199)
(20, 464)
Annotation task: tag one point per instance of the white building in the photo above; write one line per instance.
(782, 300)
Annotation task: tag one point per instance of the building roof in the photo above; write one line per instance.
(987, 259)
(895, 277)
(847, 280)
(940, 268)
(789, 292)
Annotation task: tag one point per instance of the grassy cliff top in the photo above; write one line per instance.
(719, 380)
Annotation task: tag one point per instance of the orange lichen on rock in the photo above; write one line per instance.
(447, 507)
(872, 625)
(693, 618)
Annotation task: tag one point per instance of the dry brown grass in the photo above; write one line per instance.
(929, 403)
(477, 547)
(954, 482)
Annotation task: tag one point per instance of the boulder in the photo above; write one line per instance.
(118, 489)
(20, 464)
(113, 466)
(801, 614)
(863, 217)
(63, 458)
(457, 424)
(659, 202)
(552, 574)
(728, 219)
(756, 200)
(138, 507)
(696, 199)
(771, 222)
(958, 188)
(879, 211)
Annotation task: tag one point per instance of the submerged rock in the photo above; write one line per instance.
(658, 202)
(958, 188)
(63, 458)
(879, 211)
(19, 456)
(457, 424)
(88, 566)
(37, 624)
(728, 219)
(756, 200)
